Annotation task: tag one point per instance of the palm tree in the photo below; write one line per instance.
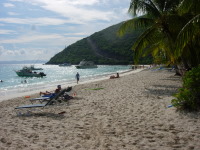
(188, 40)
(162, 25)
(166, 31)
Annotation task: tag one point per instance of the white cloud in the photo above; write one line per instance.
(78, 14)
(83, 2)
(74, 19)
(10, 52)
(1, 50)
(61, 2)
(6, 31)
(75, 10)
(23, 52)
(8, 5)
(36, 21)
(13, 13)
(6, 52)
(31, 38)
(48, 40)
(77, 34)
(16, 0)
(27, 53)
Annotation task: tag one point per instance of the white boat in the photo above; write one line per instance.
(86, 64)
(26, 72)
(32, 67)
(65, 64)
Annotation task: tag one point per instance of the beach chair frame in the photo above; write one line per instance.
(51, 101)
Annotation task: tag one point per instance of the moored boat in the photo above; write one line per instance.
(32, 67)
(86, 64)
(26, 72)
(65, 64)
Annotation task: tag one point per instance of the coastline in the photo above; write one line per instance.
(56, 75)
(23, 91)
(129, 112)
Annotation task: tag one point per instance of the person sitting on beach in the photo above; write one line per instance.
(47, 93)
(112, 77)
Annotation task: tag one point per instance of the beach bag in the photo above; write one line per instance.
(69, 89)
(67, 97)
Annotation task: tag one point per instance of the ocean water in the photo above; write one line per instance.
(55, 75)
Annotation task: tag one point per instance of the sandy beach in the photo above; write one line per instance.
(128, 113)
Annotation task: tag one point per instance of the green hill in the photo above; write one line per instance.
(103, 47)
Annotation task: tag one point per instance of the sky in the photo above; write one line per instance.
(39, 29)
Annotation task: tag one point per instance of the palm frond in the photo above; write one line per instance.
(175, 23)
(170, 5)
(146, 39)
(152, 9)
(138, 7)
(134, 24)
(152, 49)
(188, 33)
(190, 6)
(160, 4)
(133, 9)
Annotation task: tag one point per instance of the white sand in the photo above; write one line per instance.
(129, 113)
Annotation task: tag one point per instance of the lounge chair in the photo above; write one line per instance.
(49, 102)
(49, 97)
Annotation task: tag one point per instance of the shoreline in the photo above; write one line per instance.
(6, 95)
(15, 84)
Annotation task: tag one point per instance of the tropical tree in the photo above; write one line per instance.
(163, 23)
(158, 19)
(188, 40)
(188, 47)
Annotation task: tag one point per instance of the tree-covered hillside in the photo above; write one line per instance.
(103, 47)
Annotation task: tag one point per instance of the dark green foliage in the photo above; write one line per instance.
(103, 47)
(189, 96)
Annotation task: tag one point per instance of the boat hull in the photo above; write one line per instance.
(65, 65)
(27, 74)
(36, 69)
(85, 67)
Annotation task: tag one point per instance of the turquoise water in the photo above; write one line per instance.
(55, 75)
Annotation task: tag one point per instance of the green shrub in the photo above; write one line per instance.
(188, 97)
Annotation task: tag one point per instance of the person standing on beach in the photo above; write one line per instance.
(77, 77)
